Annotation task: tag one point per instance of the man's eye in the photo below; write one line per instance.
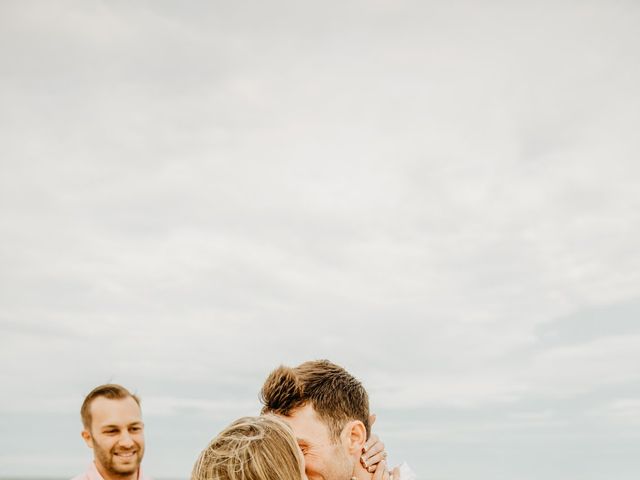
(135, 429)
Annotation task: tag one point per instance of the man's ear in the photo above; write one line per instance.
(355, 436)
(86, 436)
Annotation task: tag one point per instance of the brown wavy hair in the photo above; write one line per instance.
(111, 391)
(336, 396)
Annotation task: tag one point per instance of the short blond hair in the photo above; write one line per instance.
(251, 448)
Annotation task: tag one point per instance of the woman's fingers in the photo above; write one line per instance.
(376, 461)
(373, 453)
(382, 472)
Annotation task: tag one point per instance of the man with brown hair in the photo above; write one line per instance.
(328, 410)
(113, 429)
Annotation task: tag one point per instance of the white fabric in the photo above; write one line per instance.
(406, 473)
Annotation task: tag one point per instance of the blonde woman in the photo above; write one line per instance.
(252, 448)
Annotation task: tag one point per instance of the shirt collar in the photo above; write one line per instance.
(94, 474)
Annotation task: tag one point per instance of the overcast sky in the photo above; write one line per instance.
(441, 196)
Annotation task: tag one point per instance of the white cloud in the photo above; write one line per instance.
(626, 410)
(225, 410)
(569, 370)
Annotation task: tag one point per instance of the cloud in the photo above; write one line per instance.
(163, 406)
(589, 366)
(441, 197)
(625, 411)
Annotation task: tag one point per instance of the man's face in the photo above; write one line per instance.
(324, 459)
(116, 436)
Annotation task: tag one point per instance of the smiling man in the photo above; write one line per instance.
(114, 430)
(328, 411)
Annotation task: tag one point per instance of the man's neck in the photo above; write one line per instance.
(110, 476)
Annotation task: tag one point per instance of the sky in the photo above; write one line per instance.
(442, 197)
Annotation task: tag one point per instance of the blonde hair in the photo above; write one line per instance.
(251, 448)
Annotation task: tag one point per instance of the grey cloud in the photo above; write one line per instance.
(588, 324)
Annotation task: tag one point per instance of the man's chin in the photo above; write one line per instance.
(124, 471)
(125, 466)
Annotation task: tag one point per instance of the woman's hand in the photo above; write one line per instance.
(373, 452)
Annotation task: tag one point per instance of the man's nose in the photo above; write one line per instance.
(125, 440)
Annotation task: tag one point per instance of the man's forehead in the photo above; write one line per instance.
(115, 411)
(306, 424)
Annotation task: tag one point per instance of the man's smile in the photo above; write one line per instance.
(127, 454)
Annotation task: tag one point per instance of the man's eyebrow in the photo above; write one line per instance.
(136, 423)
(106, 427)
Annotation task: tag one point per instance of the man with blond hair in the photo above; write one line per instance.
(113, 429)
